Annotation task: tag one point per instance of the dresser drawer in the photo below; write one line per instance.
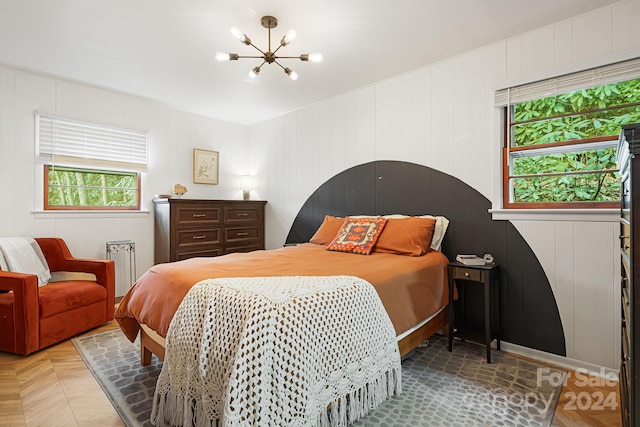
(242, 234)
(626, 268)
(625, 214)
(624, 393)
(243, 248)
(467, 274)
(195, 215)
(242, 214)
(625, 235)
(626, 340)
(198, 237)
(198, 252)
(626, 194)
(626, 304)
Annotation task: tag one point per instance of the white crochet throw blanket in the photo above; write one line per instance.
(277, 351)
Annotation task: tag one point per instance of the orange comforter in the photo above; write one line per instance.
(411, 288)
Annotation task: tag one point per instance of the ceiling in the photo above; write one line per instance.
(164, 49)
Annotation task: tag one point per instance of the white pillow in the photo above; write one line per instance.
(438, 232)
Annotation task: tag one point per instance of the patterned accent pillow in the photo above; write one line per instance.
(358, 235)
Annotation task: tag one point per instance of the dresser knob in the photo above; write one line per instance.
(466, 274)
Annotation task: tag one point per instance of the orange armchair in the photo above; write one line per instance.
(33, 317)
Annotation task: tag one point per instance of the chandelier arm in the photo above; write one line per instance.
(280, 65)
(257, 48)
(287, 57)
(258, 57)
(274, 52)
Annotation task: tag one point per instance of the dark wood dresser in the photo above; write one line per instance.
(629, 165)
(187, 228)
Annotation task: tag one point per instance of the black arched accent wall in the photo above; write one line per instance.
(529, 314)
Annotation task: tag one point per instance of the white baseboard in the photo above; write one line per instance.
(561, 361)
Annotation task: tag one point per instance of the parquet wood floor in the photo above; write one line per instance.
(53, 387)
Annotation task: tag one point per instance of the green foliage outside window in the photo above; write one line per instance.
(584, 114)
(85, 188)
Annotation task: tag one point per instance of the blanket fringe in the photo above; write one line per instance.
(355, 405)
(172, 409)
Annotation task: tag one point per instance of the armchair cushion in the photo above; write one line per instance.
(64, 296)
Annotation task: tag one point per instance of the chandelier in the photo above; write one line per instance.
(268, 57)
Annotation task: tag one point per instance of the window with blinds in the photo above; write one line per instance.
(90, 166)
(561, 140)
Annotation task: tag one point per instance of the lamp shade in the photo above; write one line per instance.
(246, 182)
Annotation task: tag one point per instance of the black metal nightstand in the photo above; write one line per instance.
(469, 317)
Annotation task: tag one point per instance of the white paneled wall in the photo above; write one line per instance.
(172, 136)
(442, 116)
(582, 264)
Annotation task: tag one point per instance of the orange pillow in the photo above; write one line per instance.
(327, 230)
(407, 236)
(358, 235)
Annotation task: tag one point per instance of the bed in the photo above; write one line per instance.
(313, 331)
(409, 277)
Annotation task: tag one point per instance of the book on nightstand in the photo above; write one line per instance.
(470, 260)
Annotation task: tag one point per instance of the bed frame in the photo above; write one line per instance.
(151, 343)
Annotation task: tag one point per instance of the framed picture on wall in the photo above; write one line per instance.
(205, 166)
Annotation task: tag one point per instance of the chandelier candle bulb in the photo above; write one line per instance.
(254, 72)
(292, 74)
(237, 33)
(222, 57)
(291, 34)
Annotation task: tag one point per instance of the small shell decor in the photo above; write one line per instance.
(179, 189)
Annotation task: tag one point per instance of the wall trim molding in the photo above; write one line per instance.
(561, 361)
(89, 214)
(574, 215)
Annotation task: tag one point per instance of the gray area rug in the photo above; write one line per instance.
(439, 388)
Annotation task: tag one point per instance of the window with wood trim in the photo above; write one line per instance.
(89, 189)
(560, 150)
(90, 166)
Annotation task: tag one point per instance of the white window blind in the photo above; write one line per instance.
(608, 74)
(75, 143)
